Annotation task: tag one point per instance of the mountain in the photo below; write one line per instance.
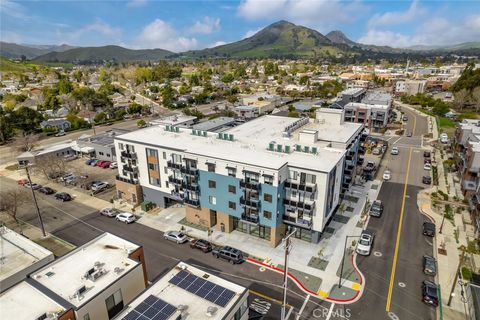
(454, 47)
(100, 54)
(15, 51)
(280, 39)
(339, 37)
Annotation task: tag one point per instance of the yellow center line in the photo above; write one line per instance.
(399, 233)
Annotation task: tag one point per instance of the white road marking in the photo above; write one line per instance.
(303, 307)
(329, 315)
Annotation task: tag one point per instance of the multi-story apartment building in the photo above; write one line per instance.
(349, 95)
(256, 178)
(410, 87)
(373, 111)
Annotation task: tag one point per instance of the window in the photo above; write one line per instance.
(212, 200)
(100, 153)
(86, 317)
(211, 167)
(310, 178)
(166, 184)
(165, 169)
(152, 153)
(267, 197)
(154, 181)
(267, 214)
(232, 172)
(232, 189)
(120, 146)
(244, 308)
(212, 184)
(232, 205)
(152, 166)
(293, 175)
(114, 304)
(268, 179)
(164, 155)
(108, 155)
(294, 194)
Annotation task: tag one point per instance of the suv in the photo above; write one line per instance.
(429, 265)
(201, 244)
(428, 229)
(63, 196)
(230, 254)
(370, 166)
(426, 154)
(376, 209)
(364, 245)
(427, 180)
(99, 186)
(430, 293)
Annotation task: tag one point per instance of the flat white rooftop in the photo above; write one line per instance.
(362, 105)
(65, 275)
(19, 253)
(250, 144)
(175, 120)
(196, 307)
(23, 301)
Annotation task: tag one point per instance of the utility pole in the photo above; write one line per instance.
(286, 243)
(343, 260)
(40, 220)
(450, 296)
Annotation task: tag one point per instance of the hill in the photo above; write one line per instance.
(454, 47)
(15, 51)
(339, 37)
(16, 67)
(88, 55)
(280, 39)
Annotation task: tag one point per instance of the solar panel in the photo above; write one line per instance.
(152, 308)
(203, 288)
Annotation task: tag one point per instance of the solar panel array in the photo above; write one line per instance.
(203, 288)
(152, 308)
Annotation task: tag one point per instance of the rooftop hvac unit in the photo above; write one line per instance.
(98, 274)
(279, 148)
(314, 150)
(298, 148)
(211, 311)
(306, 149)
(271, 146)
(287, 149)
(194, 132)
(204, 133)
(80, 291)
(230, 137)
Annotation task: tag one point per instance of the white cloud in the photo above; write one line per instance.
(216, 44)
(206, 26)
(136, 3)
(414, 12)
(13, 9)
(434, 31)
(159, 34)
(250, 33)
(93, 34)
(320, 14)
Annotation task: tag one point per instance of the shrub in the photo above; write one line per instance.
(466, 273)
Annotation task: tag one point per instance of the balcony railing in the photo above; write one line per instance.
(251, 202)
(189, 171)
(191, 202)
(253, 218)
(299, 222)
(172, 165)
(126, 180)
(174, 180)
(307, 205)
(191, 186)
(252, 185)
(130, 169)
(128, 155)
(310, 188)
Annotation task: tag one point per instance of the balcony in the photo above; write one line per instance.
(191, 186)
(253, 218)
(251, 202)
(298, 222)
(310, 187)
(130, 169)
(307, 205)
(126, 180)
(128, 155)
(172, 165)
(251, 185)
(191, 202)
(189, 171)
(174, 180)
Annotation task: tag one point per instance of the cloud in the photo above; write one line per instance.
(159, 34)
(136, 3)
(320, 14)
(11, 36)
(206, 26)
(13, 9)
(96, 33)
(414, 12)
(434, 31)
(250, 33)
(216, 44)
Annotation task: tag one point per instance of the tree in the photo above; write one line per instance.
(303, 80)
(6, 125)
(134, 108)
(141, 123)
(476, 98)
(461, 98)
(51, 165)
(26, 141)
(26, 119)
(227, 78)
(100, 117)
(12, 199)
(65, 86)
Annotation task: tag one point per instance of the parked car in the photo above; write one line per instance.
(376, 209)
(125, 217)
(429, 265)
(428, 229)
(99, 163)
(364, 245)
(376, 151)
(427, 166)
(405, 118)
(394, 151)
(427, 180)
(201, 244)
(46, 190)
(444, 138)
(232, 255)
(67, 176)
(387, 175)
(427, 160)
(99, 186)
(409, 133)
(22, 182)
(94, 162)
(109, 212)
(370, 166)
(113, 165)
(175, 236)
(63, 196)
(426, 154)
(430, 293)
(89, 161)
(105, 164)
(34, 186)
(60, 133)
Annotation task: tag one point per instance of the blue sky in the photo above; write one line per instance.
(184, 25)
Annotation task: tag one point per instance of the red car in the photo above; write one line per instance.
(99, 163)
(105, 164)
(22, 182)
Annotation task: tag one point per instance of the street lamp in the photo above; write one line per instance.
(286, 243)
(40, 220)
(343, 259)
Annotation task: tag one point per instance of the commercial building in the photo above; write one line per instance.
(374, 110)
(187, 292)
(410, 87)
(99, 146)
(61, 149)
(95, 281)
(256, 178)
(19, 257)
(349, 95)
(179, 120)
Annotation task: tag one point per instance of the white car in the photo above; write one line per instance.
(125, 217)
(175, 236)
(364, 245)
(109, 212)
(427, 166)
(60, 133)
(113, 165)
(99, 186)
(68, 176)
(394, 151)
(387, 175)
(444, 138)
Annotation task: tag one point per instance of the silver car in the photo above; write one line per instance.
(109, 212)
(175, 236)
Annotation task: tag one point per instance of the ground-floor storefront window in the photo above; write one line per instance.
(255, 230)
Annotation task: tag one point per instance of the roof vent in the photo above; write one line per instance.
(118, 270)
(211, 311)
(182, 307)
